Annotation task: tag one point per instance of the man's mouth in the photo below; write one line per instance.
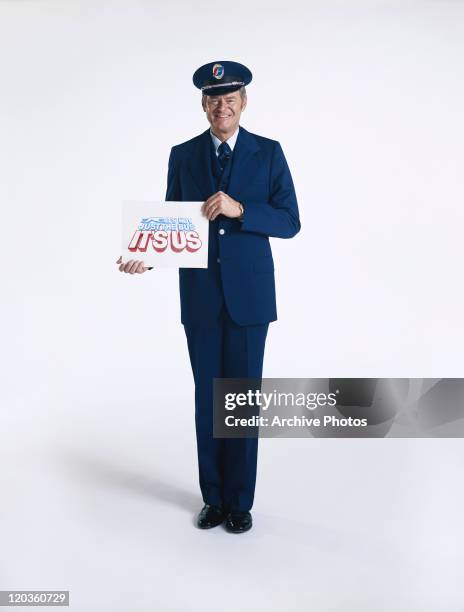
(222, 116)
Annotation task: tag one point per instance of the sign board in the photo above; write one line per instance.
(165, 234)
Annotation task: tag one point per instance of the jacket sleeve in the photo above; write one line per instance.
(173, 192)
(278, 218)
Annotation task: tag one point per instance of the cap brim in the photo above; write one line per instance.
(220, 91)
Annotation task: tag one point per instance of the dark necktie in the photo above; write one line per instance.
(224, 153)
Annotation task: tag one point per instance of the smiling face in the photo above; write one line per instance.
(223, 113)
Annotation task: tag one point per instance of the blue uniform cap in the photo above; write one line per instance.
(218, 78)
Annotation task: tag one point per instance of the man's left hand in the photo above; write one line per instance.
(221, 204)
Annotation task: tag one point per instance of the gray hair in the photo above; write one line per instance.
(242, 90)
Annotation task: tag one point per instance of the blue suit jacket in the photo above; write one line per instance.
(260, 179)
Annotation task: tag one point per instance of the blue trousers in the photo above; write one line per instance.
(223, 349)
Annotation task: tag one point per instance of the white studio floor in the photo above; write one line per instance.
(103, 503)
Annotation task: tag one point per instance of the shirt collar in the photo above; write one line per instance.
(231, 141)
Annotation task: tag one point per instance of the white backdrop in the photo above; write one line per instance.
(366, 98)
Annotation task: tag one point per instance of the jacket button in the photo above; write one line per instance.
(218, 260)
(222, 231)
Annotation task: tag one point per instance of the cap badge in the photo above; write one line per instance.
(218, 71)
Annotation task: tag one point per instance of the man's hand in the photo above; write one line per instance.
(221, 204)
(133, 266)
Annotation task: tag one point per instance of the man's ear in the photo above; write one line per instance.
(244, 103)
(203, 105)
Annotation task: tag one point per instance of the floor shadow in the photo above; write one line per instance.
(341, 540)
(97, 470)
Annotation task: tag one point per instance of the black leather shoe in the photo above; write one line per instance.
(210, 516)
(239, 522)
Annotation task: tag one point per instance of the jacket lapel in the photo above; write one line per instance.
(200, 166)
(244, 162)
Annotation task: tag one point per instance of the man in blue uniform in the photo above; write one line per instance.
(248, 196)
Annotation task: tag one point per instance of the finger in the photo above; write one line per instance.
(211, 204)
(119, 260)
(211, 200)
(208, 201)
(128, 264)
(141, 268)
(206, 206)
(215, 212)
(212, 213)
(121, 267)
(134, 267)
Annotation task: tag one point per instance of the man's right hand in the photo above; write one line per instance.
(133, 266)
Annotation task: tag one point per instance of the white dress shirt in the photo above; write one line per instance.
(231, 141)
